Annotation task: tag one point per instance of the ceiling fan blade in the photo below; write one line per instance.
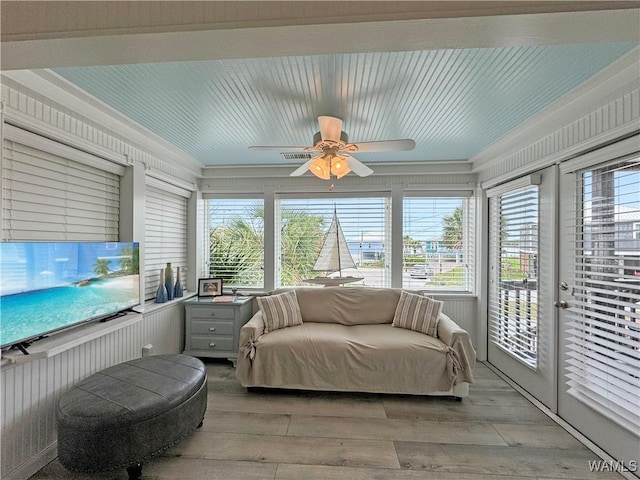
(330, 128)
(267, 148)
(302, 169)
(357, 167)
(386, 146)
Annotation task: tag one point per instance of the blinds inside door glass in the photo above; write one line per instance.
(51, 198)
(513, 301)
(603, 369)
(165, 235)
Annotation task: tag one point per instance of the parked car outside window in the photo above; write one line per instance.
(421, 271)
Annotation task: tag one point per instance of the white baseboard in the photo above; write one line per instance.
(34, 465)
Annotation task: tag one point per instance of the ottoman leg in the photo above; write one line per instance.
(135, 471)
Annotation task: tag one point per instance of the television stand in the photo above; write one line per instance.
(114, 316)
(22, 346)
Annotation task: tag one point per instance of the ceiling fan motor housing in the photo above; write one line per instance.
(320, 145)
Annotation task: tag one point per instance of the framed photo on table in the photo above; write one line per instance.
(209, 287)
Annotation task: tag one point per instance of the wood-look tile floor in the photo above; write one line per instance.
(494, 434)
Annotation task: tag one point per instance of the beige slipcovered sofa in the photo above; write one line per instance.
(346, 342)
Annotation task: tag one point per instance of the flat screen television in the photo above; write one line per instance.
(46, 287)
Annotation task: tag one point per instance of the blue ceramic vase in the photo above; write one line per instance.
(161, 294)
(177, 291)
(168, 281)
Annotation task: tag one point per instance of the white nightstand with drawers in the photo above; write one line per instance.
(212, 329)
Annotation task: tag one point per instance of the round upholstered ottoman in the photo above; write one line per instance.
(123, 415)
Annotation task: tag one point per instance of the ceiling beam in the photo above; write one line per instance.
(407, 35)
(29, 20)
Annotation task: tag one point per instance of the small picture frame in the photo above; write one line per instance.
(209, 287)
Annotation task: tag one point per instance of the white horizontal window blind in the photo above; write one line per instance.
(603, 369)
(236, 241)
(303, 227)
(50, 198)
(513, 293)
(438, 243)
(165, 232)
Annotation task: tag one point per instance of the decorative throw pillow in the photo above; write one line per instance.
(415, 312)
(280, 311)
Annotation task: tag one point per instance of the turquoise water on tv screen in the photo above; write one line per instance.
(46, 287)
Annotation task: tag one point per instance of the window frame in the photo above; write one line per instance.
(163, 204)
(206, 247)
(271, 197)
(387, 240)
(469, 208)
(512, 318)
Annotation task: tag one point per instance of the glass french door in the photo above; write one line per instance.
(599, 324)
(522, 273)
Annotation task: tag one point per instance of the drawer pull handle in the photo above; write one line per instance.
(212, 344)
(212, 329)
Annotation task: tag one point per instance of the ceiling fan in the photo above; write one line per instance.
(333, 147)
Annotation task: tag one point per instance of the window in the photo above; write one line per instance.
(513, 296)
(604, 347)
(48, 197)
(303, 227)
(236, 241)
(438, 243)
(165, 231)
(443, 225)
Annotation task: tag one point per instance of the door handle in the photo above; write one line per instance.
(561, 304)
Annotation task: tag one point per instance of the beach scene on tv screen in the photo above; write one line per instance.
(46, 287)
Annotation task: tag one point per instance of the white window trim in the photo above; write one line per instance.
(271, 193)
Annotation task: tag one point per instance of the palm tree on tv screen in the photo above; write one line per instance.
(101, 267)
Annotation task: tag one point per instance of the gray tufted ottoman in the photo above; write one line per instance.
(126, 414)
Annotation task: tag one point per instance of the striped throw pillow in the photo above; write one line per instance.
(280, 311)
(415, 312)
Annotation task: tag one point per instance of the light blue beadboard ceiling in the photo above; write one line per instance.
(454, 103)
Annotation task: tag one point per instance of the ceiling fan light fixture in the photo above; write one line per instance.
(320, 167)
(339, 167)
(332, 145)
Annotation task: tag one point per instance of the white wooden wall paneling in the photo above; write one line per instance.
(30, 391)
(619, 117)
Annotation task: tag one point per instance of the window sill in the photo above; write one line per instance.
(150, 306)
(448, 295)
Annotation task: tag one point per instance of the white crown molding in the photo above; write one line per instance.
(98, 115)
(600, 90)
(379, 170)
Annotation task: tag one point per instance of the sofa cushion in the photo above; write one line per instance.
(280, 311)
(418, 313)
(347, 305)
